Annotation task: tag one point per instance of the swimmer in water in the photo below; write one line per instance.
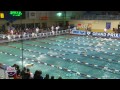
(84, 53)
(29, 65)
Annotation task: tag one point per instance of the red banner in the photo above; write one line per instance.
(44, 18)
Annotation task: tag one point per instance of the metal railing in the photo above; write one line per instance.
(97, 17)
(9, 38)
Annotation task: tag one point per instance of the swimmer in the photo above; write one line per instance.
(99, 44)
(29, 65)
(84, 53)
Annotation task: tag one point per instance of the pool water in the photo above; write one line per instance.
(68, 56)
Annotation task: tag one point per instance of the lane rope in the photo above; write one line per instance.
(58, 67)
(77, 61)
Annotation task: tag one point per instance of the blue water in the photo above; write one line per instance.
(97, 57)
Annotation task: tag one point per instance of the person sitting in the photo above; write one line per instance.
(27, 74)
(52, 77)
(59, 77)
(47, 76)
(23, 73)
(18, 70)
(37, 74)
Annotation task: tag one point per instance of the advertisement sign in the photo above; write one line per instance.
(79, 32)
(44, 18)
(97, 34)
(113, 35)
(89, 33)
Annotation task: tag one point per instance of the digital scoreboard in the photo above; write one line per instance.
(16, 13)
(12, 15)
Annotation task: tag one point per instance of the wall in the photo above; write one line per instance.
(97, 25)
(25, 21)
(2, 22)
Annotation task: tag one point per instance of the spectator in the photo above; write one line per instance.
(38, 74)
(27, 74)
(18, 70)
(47, 76)
(59, 77)
(23, 72)
(14, 65)
(52, 77)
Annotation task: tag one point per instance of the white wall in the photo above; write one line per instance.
(96, 24)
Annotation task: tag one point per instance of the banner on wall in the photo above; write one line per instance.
(108, 25)
(97, 34)
(78, 32)
(79, 24)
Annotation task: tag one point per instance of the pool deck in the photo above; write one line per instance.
(27, 38)
(19, 39)
(13, 40)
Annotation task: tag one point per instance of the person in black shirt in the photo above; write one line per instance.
(52, 77)
(37, 74)
(27, 74)
(23, 73)
(59, 77)
(47, 76)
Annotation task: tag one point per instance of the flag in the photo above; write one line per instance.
(108, 25)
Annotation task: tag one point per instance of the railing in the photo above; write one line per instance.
(97, 17)
(8, 38)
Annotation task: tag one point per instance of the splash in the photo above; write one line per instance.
(20, 63)
(106, 75)
(99, 44)
(52, 53)
(11, 60)
(41, 57)
(27, 55)
(33, 56)
(99, 49)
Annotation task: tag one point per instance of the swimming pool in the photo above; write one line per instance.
(69, 56)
